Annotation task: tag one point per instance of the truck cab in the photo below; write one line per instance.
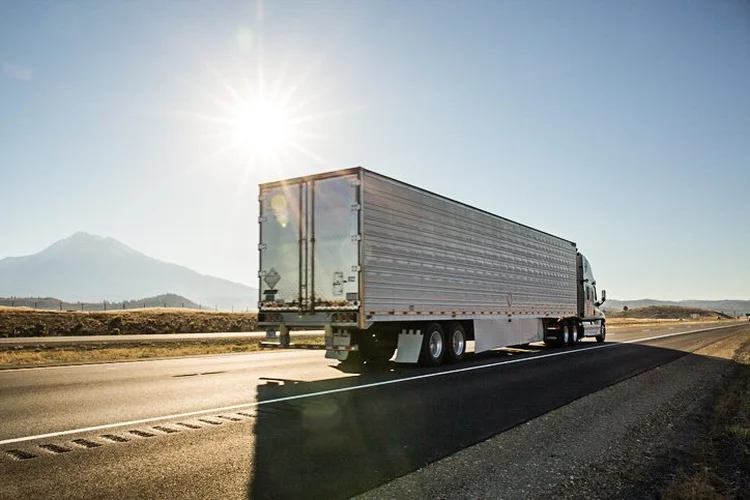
(591, 317)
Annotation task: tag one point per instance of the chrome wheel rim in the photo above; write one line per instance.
(566, 335)
(436, 344)
(459, 343)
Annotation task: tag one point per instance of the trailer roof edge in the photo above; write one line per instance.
(354, 170)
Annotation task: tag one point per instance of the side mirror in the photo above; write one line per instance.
(604, 296)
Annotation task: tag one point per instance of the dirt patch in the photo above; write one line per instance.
(721, 466)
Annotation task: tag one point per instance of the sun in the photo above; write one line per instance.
(260, 121)
(263, 128)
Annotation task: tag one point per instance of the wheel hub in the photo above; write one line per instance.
(459, 343)
(436, 344)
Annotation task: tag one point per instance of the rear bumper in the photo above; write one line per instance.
(317, 320)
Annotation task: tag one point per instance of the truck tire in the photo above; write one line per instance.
(565, 334)
(455, 342)
(602, 333)
(572, 335)
(433, 346)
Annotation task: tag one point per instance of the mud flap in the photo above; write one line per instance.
(409, 346)
(338, 344)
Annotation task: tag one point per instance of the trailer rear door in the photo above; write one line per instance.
(309, 244)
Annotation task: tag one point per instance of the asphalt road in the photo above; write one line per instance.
(286, 424)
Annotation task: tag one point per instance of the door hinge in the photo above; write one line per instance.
(262, 246)
(262, 219)
(356, 269)
(356, 237)
(356, 207)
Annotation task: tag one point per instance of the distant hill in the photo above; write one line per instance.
(730, 307)
(166, 300)
(89, 268)
(667, 312)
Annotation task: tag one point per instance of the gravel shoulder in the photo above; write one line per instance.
(627, 441)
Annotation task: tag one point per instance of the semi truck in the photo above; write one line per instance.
(385, 267)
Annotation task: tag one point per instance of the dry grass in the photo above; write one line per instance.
(723, 469)
(37, 356)
(668, 312)
(25, 322)
(696, 487)
(626, 322)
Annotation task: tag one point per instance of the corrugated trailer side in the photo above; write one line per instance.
(428, 256)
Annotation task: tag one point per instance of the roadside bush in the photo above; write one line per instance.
(115, 323)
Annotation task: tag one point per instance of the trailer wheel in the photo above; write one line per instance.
(433, 346)
(455, 339)
(602, 333)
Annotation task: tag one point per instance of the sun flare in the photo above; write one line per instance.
(262, 128)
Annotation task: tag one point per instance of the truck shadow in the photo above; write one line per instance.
(345, 440)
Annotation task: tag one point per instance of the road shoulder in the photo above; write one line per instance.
(628, 440)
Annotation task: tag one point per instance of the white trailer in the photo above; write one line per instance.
(383, 266)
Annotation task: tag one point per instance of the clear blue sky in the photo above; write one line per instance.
(623, 126)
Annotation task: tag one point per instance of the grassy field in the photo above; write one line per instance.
(656, 315)
(26, 322)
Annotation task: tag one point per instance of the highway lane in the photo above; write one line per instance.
(56, 399)
(336, 443)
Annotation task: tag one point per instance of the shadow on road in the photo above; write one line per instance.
(345, 442)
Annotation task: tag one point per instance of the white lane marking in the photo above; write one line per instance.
(343, 389)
